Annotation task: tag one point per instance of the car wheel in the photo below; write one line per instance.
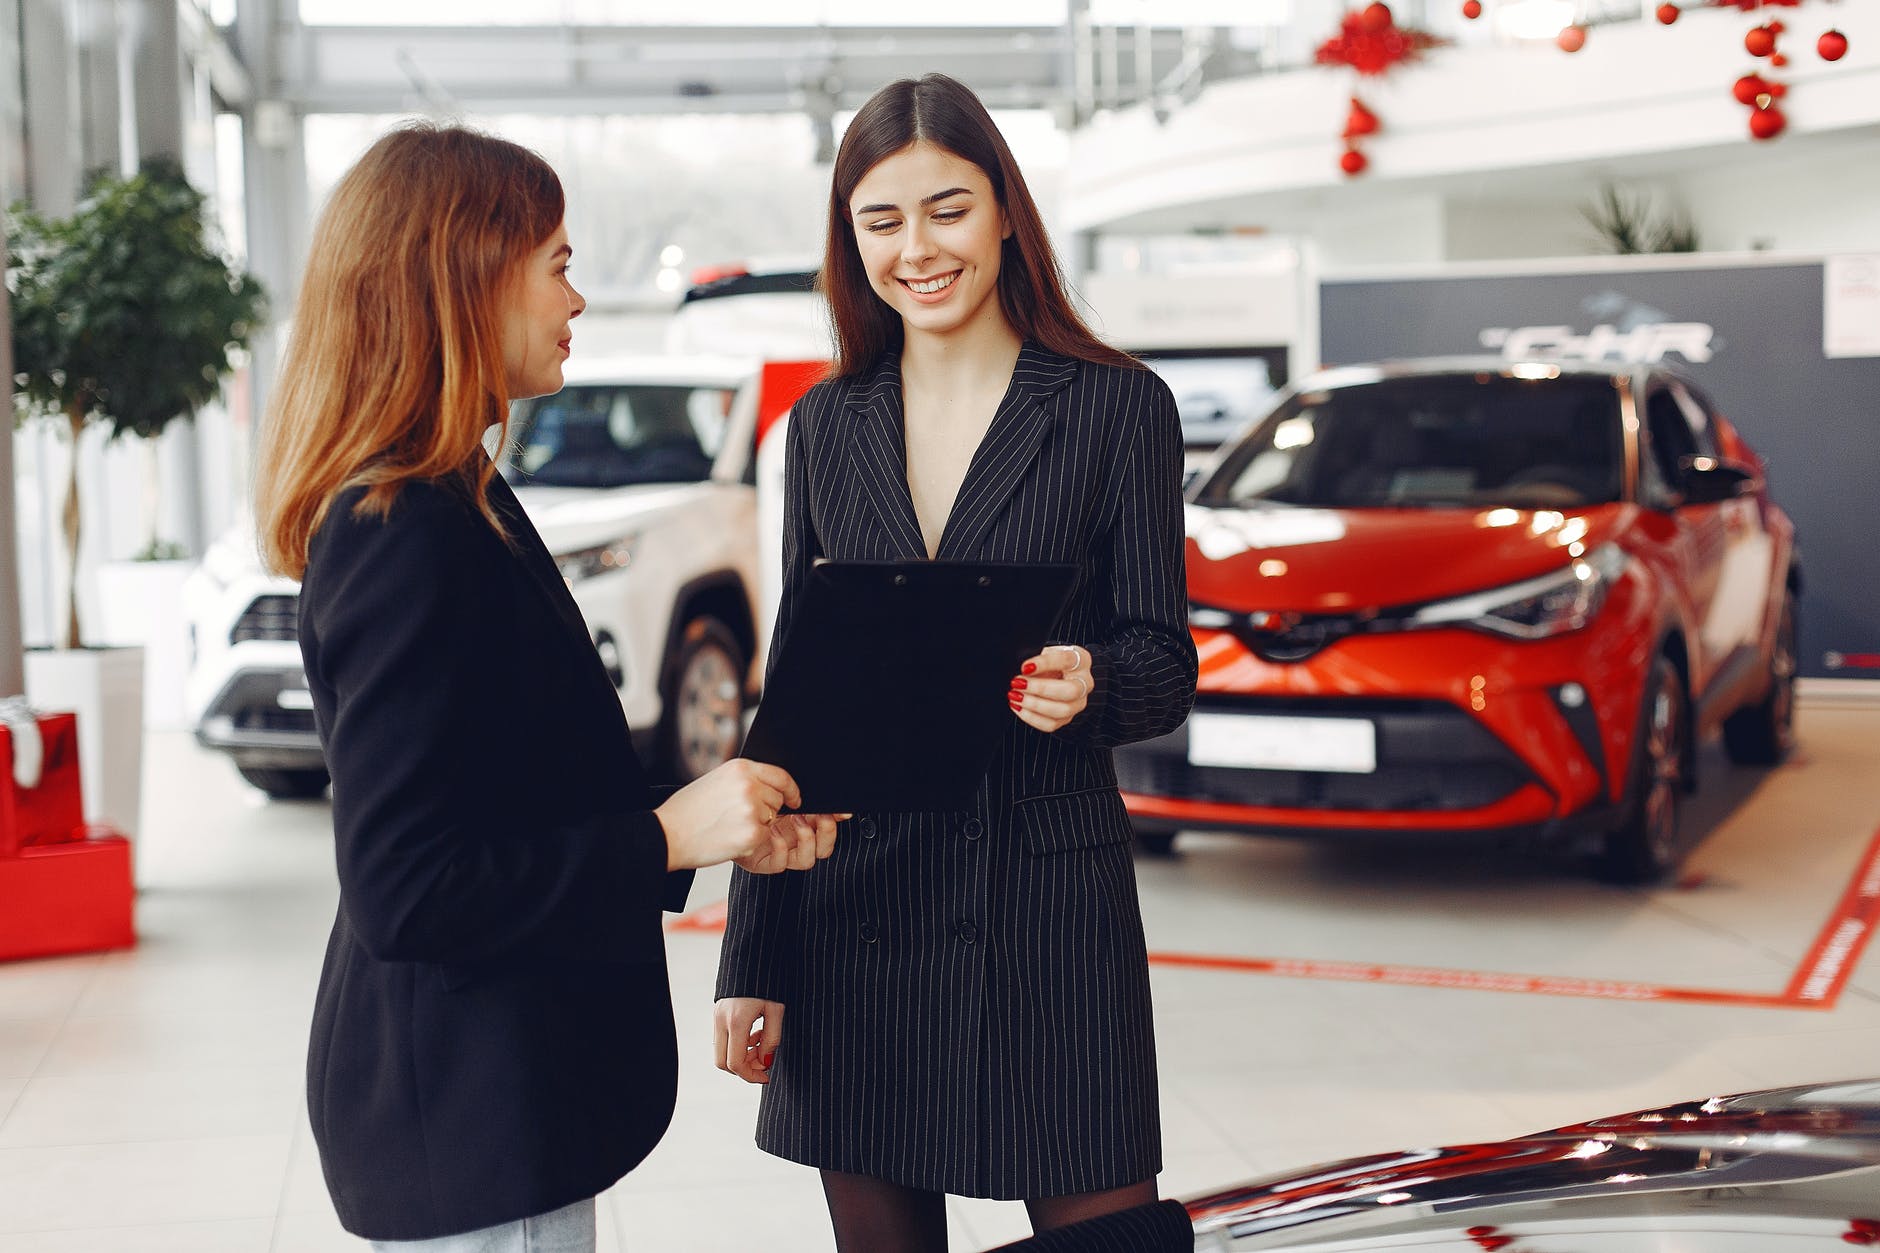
(703, 719)
(1643, 846)
(284, 784)
(1763, 734)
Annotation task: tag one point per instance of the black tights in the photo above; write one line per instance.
(871, 1215)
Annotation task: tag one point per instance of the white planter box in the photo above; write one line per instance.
(104, 687)
(141, 604)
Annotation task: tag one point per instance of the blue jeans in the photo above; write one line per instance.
(567, 1230)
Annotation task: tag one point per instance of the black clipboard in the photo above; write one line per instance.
(889, 692)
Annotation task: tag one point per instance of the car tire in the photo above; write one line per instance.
(1764, 733)
(283, 783)
(1643, 846)
(702, 706)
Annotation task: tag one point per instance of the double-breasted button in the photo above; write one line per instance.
(968, 930)
(868, 828)
(974, 828)
(870, 933)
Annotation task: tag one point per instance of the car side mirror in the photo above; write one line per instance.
(1708, 481)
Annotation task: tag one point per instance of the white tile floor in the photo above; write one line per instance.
(150, 1101)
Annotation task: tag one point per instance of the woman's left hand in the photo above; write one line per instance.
(1053, 687)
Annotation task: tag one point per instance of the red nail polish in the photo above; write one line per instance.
(1018, 685)
(1030, 667)
(768, 1058)
(1015, 701)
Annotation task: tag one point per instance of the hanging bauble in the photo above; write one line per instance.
(1760, 42)
(1778, 60)
(1832, 46)
(1571, 38)
(1352, 162)
(1767, 123)
(1376, 17)
(1471, 9)
(1748, 87)
(1778, 90)
(1360, 121)
(1668, 12)
(1749, 6)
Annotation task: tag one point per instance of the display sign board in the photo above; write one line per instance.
(1788, 350)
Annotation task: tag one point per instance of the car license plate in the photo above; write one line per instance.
(1266, 742)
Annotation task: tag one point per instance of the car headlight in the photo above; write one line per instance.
(585, 563)
(1534, 609)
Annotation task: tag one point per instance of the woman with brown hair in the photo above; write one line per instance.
(959, 1002)
(492, 1039)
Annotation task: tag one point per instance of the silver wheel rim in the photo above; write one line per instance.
(710, 712)
(1664, 758)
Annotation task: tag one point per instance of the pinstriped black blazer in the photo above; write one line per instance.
(934, 967)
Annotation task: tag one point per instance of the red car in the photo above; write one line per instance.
(1478, 597)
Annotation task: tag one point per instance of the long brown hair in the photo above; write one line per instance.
(945, 113)
(394, 369)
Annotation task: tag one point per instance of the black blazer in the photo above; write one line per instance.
(493, 1034)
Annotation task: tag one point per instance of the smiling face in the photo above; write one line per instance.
(536, 335)
(929, 229)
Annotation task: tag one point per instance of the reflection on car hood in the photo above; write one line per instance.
(1338, 560)
(1810, 1152)
(573, 518)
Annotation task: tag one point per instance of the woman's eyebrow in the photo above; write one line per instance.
(925, 200)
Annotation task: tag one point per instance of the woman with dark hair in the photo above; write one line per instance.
(492, 1038)
(968, 993)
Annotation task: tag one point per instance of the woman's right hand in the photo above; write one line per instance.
(729, 813)
(740, 1046)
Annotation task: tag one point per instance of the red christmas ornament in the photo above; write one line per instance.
(1778, 60)
(1353, 162)
(1760, 42)
(1668, 12)
(1360, 121)
(1376, 17)
(1767, 123)
(1748, 87)
(1778, 90)
(1832, 46)
(1750, 6)
(1571, 38)
(1374, 51)
(1472, 9)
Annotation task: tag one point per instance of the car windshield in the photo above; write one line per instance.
(614, 435)
(1432, 442)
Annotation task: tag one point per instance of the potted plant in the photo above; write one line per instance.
(122, 315)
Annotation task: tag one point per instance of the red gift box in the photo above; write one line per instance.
(52, 812)
(64, 887)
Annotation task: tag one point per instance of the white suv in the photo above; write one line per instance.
(640, 476)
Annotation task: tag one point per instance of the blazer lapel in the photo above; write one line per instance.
(534, 556)
(1010, 446)
(878, 455)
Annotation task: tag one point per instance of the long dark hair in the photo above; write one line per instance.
(945, 113)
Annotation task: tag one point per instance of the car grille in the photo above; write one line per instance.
(263, 718)
(1430, 757)
(273, 617)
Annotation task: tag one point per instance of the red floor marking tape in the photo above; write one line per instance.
(1837, 950)
(1474, 980)
(1818, 982)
